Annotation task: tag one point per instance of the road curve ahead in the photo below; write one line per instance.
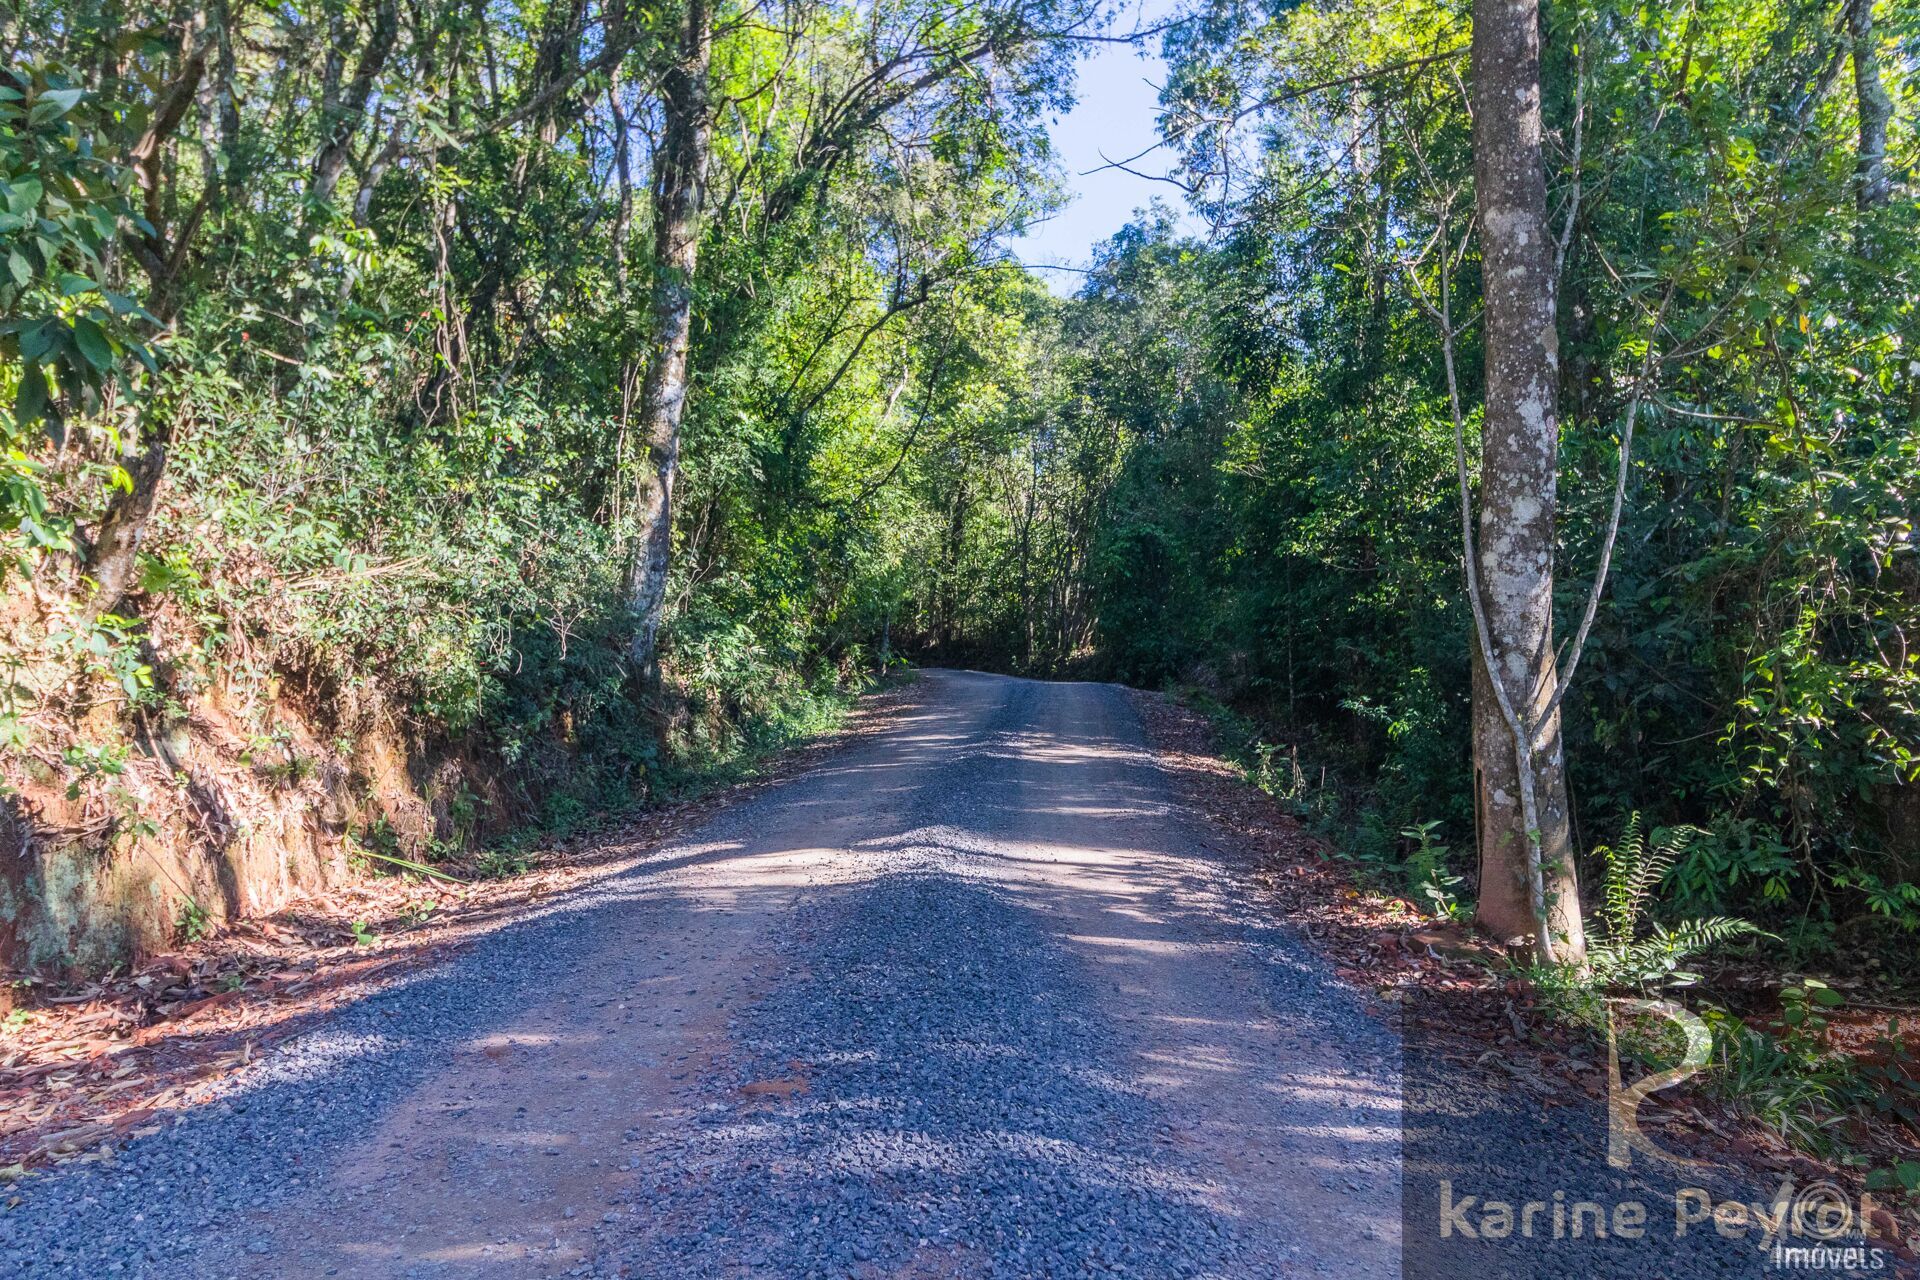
(975, 997)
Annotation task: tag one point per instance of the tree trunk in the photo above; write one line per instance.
(1519, 458)
(345, 114)
(1875, 107)
(678, 199)
(116, 542)
(165, 254)
(623, 167)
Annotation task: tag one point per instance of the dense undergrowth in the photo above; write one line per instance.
(328, 333)
(1822, 1066)
(328, 338)
(1238, 471)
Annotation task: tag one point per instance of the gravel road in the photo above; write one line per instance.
(975, 997)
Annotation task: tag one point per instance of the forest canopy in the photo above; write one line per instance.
(580, 391)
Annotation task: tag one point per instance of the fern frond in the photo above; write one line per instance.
(1619, 910)
(1645, 876)
(1655, 961)
(1690, 937)
(1635, 868)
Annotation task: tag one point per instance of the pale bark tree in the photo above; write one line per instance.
(344, 107)
(1528, 884)
(679, 201)
(902, 66)
(1874, 104)
(623, 172)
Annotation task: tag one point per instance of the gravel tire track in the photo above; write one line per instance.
(972, 998)
(962, 1106)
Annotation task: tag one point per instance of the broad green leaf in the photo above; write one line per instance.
(93, 343)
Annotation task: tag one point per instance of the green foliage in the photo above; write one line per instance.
(88, 761)
(1247, 440)
(377, 841)
(1803, 1007)
(107, 646)
(65, 336)
(191, 923)
(406, 339)
(387, 468)
(501, 864)
(15, 698)
(1628, 949)
(1788, 1075)
(171, 573)
(1781, 1076)
(1432, 885)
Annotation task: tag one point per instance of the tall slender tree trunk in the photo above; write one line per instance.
(164, 252)
(1516, 772)
(345, 111)
(623, 169)
(679, 198)
(116, 543)
(1875, 106)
